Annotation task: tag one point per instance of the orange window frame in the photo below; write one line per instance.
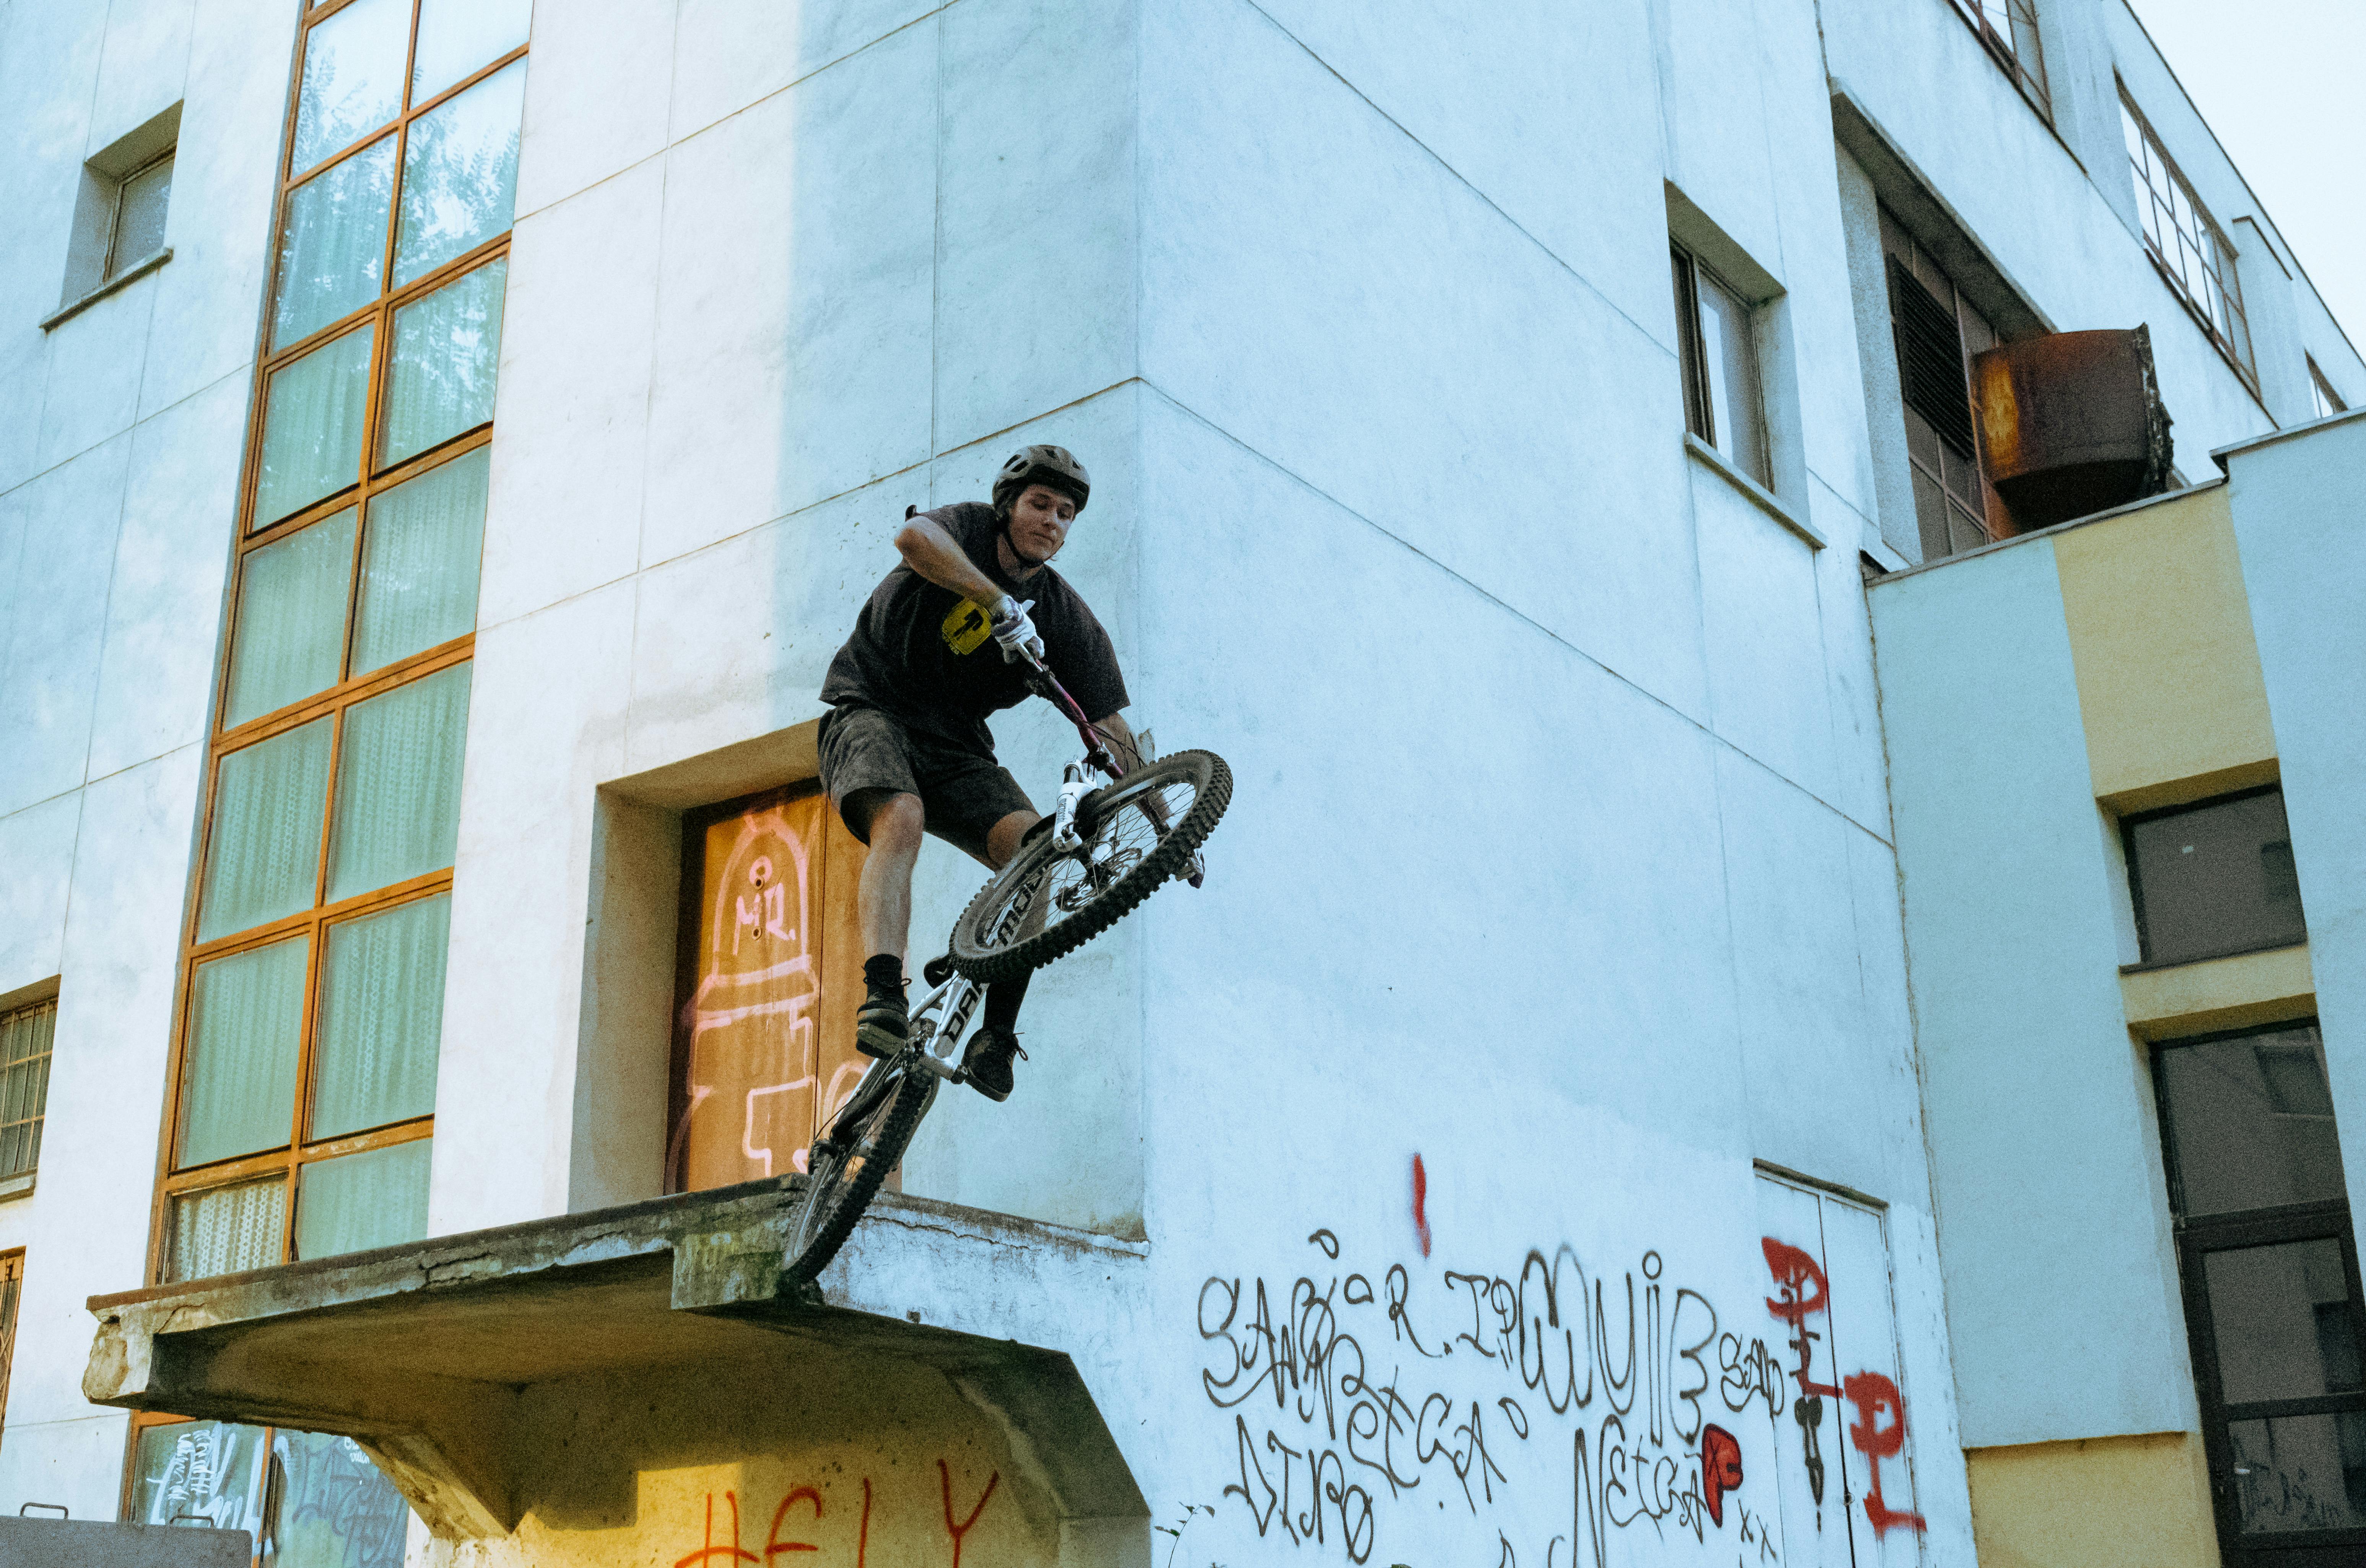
(172, 1180)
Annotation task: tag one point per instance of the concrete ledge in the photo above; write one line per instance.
(1757, 495)
(86, 1543)
(2220, 993)
(427, 1355)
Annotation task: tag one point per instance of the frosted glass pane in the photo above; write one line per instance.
(379, 1198)
(459, 173)
(399, 784)
(447, 349)
(227, 1230)
(290, 637)
(382, 1018)
(352, 78)
(238, 1084)
(140, 216)
(457, 37)
(419, 563)
(211, 1469)
(267, 831)
(312, 433)
(338, 1511)
(333, 248)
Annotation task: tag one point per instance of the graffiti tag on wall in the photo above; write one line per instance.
(1360, 1396)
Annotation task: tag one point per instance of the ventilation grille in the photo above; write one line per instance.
(1930, 360)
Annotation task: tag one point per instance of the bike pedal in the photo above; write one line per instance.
(876, 1049)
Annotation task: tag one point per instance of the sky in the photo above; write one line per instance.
(2279, 81)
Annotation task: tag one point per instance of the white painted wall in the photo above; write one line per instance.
(2038, 1108)
(120, 437)
(2296, 504)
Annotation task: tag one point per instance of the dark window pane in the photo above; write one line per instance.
(2251, 1122)
(199, 1471)
(338, 1510)
(139, 217)
(2300, 1472)
(2282, 1319)
(2215, 879)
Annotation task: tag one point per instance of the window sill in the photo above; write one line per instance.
(120, 281)
(2156, 965)
(1757, 495)
(16, 1186)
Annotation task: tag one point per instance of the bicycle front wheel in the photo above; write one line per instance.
(848, 1163)
(1138, 833)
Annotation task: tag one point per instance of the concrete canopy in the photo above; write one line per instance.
(454, 1363)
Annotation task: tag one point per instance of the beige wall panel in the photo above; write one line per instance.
(2168, 677)
(2221, 993)
(2137, 1502)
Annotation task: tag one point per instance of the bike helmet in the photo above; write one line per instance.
(1053, 466)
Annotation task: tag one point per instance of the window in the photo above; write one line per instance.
(2187, 245)
(25, 1038)
(2009, 29)
(316, 1499)
(302, 1112)
(2323, 399)
(2213, 879)
(2270, 1271)
(119, 219)
(139, 226)
(12, 1289)
(771, 975)
(1936, 331)
(1723, 404)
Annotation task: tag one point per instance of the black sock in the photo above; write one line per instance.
(1002, 999)
(883, 972)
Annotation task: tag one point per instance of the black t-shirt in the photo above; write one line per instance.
(925, 654)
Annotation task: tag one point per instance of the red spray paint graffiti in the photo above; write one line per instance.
(1802, 1291)
(958, 1530)
(1420, 1205)
(1872, 1393)
(1720, 1469)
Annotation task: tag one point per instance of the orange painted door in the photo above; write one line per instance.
(770, 1017)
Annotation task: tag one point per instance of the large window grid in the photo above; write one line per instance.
(2185, 243)
(1937, 330)
(2009, 29)
(310, 1014)
(2269, 1267)
(12, 1292)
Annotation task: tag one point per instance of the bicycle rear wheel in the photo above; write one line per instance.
(1150, 823)
(843, 1174)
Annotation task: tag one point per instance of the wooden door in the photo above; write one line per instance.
(771, 978)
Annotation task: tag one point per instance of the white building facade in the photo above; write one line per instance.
(436, 513)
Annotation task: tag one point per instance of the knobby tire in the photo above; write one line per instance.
(973, 952)
(832, 1201)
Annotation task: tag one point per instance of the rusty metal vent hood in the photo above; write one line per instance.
(2071, 424)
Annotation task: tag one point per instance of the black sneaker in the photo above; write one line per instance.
(881, 1027)
(987, 1063)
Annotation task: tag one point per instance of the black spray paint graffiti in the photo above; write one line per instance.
(1348, 1385)
(1353, 1401)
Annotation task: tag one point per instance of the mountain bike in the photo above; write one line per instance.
(1113, 839)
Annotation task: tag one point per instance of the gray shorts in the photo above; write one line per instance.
(964, 793)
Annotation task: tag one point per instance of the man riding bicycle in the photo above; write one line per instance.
(905, 748)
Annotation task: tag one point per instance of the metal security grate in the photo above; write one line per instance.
(1930, 360)
(25, 1037)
